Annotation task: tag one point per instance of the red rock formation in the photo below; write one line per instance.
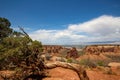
(98, 49)
(51, 48)
(72, 53)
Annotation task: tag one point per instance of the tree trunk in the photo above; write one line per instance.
(77, 68)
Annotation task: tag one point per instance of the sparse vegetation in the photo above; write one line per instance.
(100, 63)
(87, 63)
(48, 56)
(114, 58)
(80, 53)
(109, 71)
(69, 60)
(92, 63)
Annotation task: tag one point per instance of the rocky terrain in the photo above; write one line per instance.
(98, 49)
(94, 62)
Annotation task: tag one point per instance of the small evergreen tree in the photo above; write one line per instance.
(5, 29)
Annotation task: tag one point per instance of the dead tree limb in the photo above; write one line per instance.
(25, 33)
(77, 68)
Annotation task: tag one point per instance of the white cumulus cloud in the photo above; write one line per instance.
(103, 28)
(102, 25)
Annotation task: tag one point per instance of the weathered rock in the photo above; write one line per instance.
(114, 64)
(53, 79)
(55, 58)
(80, 71)
(6, 74)
(51, 48)
(99, 75)
(63, 74)
(98, 49)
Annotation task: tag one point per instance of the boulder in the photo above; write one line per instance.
(114, 64)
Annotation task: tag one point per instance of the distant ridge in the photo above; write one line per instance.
(104, 43)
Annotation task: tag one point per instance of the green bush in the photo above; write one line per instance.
(15, 49)
(69, 60)
(20, 53)
(100, 63)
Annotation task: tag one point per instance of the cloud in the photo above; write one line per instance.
(46, 36)
(103, 28)
(55, 36)
(102, 25)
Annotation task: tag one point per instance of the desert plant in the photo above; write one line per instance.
(48, 56)
(109, 71)
(87, 63)
(100, 63)
(114, 58)
(69, 60)
(16, 50)
(81, 53)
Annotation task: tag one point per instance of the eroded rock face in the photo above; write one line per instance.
(114, 64)
(99, 75)
(51, 49)
(53, 79)
(59, 73)
(98, 49)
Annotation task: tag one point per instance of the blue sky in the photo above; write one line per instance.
(65, 21)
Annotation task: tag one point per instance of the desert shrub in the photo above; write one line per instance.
(81, 53)
(69, 60)
(109, 71)
(72, 60)
(114, 58)
(15, 49)
(62, 59)
(35, 46)
(63, 53)
(87, 63)
(48, 56)
(100, 63)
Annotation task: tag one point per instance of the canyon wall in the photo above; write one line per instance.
(98, 49)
